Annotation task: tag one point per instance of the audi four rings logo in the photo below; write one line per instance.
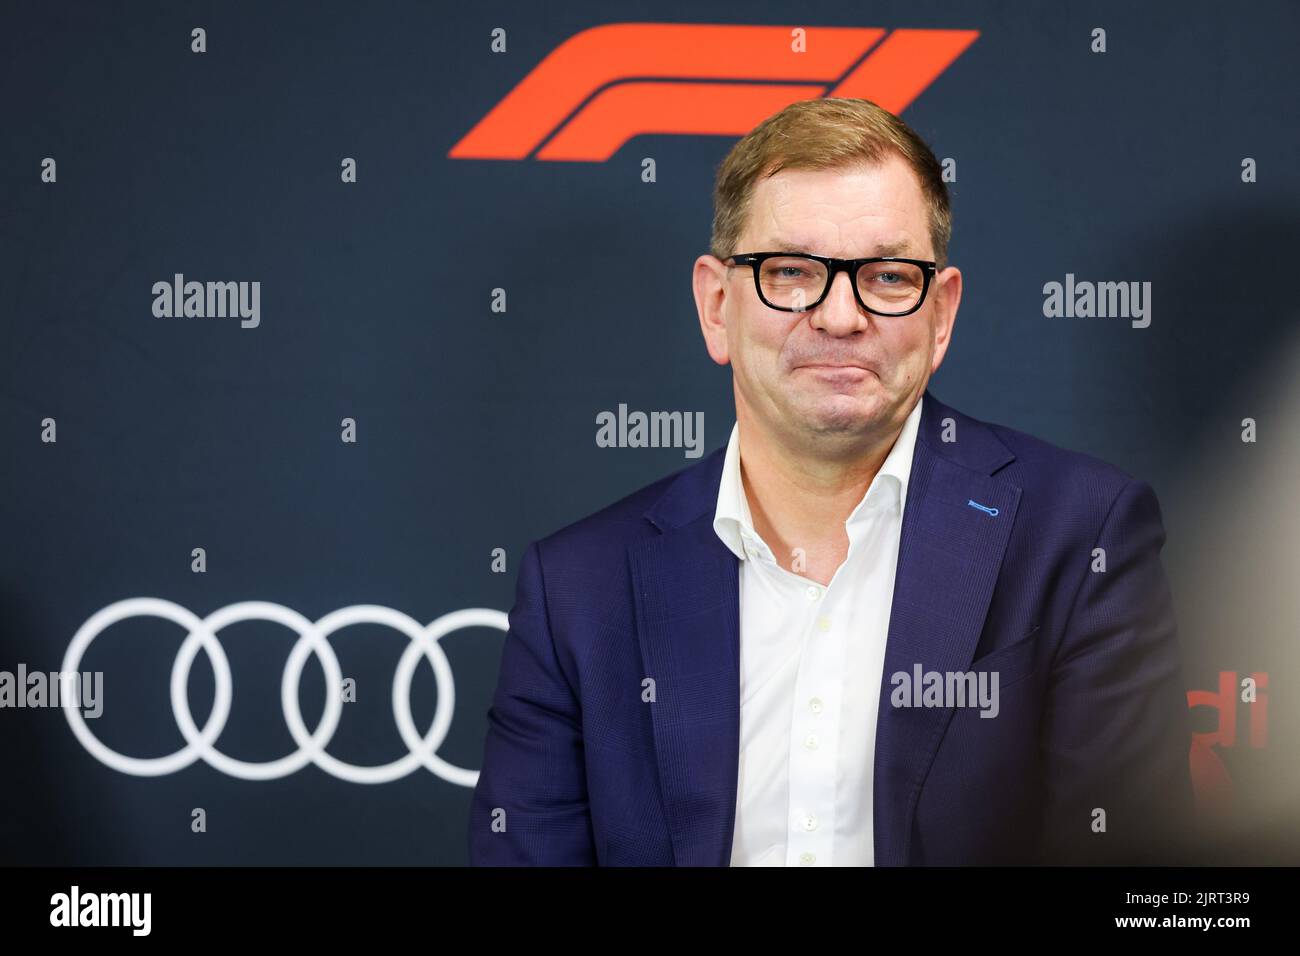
(312, 639)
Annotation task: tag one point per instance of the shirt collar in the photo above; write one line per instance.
(733, 521)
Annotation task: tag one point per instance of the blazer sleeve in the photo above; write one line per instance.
(530, 804)
(1115, 733)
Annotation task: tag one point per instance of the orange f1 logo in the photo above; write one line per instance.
(605, 85)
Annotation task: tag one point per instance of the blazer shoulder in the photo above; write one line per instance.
(621, 522)
(1048, 471)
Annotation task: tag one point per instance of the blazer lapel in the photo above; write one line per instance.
(686, 599)
(950, 553)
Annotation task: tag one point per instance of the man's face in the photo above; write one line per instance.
(835, 378)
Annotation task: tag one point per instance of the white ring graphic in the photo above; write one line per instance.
(312, 639)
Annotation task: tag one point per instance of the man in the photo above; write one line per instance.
(870, 630)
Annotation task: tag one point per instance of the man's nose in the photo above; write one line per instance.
(839, 314)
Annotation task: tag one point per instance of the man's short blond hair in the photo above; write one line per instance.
(828, 133)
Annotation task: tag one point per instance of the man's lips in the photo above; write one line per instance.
(836, 366)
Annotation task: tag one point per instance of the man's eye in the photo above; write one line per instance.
(884, 278)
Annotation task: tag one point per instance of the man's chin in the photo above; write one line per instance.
(842, 416)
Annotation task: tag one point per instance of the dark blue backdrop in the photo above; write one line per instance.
(475, 429)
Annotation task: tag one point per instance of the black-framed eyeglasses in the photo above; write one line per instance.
(797, 282)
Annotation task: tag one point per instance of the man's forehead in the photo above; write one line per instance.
(858, 211)
(900, 246)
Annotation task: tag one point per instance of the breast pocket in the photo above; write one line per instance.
(1012, 663)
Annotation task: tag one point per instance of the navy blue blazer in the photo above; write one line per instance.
(1086, 761)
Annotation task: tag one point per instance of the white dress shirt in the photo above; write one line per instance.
(811, 662)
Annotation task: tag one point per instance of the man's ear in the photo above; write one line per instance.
(709, 283)
(947, 297)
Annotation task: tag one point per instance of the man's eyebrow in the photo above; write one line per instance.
(897, 247)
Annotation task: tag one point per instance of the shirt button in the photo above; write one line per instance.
(823, 623)
(807, 859)
(816, 705)
(809, 823)
(813, 592)
(810, 741)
